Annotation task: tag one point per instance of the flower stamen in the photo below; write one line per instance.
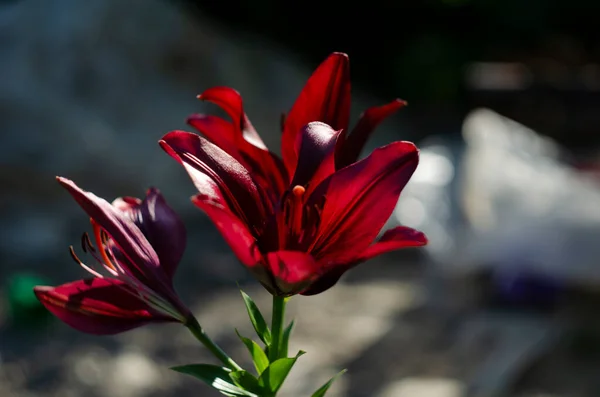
(83, 265)
(100, 239)
(86, 243)
(296, 210)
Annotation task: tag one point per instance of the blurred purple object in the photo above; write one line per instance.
(523, 289)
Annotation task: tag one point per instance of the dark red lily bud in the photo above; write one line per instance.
(137, 245)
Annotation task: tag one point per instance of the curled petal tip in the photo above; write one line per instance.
(67, 183)
(164, 145)
(42, 292)
(126, 203)
(41, 289)
(169, 150)
(417, 238)
(217, 93)
(194, 116)
(63, 180)
(340, 54)
(405, 148)
(410, 146)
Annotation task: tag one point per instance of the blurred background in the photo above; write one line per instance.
(504, 103)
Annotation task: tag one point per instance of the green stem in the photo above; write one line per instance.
(199, 333)
(277, 327)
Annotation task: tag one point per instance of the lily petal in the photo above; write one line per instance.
(267, 167)
(235, 183)
(326, 280)
(98, 306)
(354, 143)
(292, 271)
(233, 230)
(142, 259)
(325, 98)
(163, 229)
(394, 239)
(127, 205)
(202, 181)
(316, 147)
(359, 200)
(231, 101)
(220, 132)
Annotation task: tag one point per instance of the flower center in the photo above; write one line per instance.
(104, 255)
(101, 241)
(296, 210)
(297, 221)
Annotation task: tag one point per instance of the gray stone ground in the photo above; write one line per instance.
(86, 90)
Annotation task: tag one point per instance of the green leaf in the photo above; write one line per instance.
(215, 376)
(285, 339)
(323, 389)
(272, 378)
(259, 358)
(246, 381)
(257, 319)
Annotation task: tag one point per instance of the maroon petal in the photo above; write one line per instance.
(325, 98)
(235, 184)
(233, 230)
(315, 148)
(220, 132)
(268, 172)
(359, 200)
(98, 306)
(161, 226)
(202, 182)
(326, 280)
(267, 168)
(350, 149)
(292, 271)
(231, 101)
(394, 239)
(128, 205)
(142, 259)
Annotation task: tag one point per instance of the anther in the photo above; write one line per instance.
(296, 210)
(74, 255)
(86, 243)
(298, 191)
(83, 247)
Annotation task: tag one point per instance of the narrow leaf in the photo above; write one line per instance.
(272, 378)
(259, 358)
(323, 389)
(285, 339)
(257, 319)
(215, 376)
(246, 381)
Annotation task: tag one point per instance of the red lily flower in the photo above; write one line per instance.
(325, 98)
(322, 225)
(139, 244)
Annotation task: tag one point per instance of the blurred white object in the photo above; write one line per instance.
(424, 387)
(427, 202)
(498, 76)
(505, 201)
